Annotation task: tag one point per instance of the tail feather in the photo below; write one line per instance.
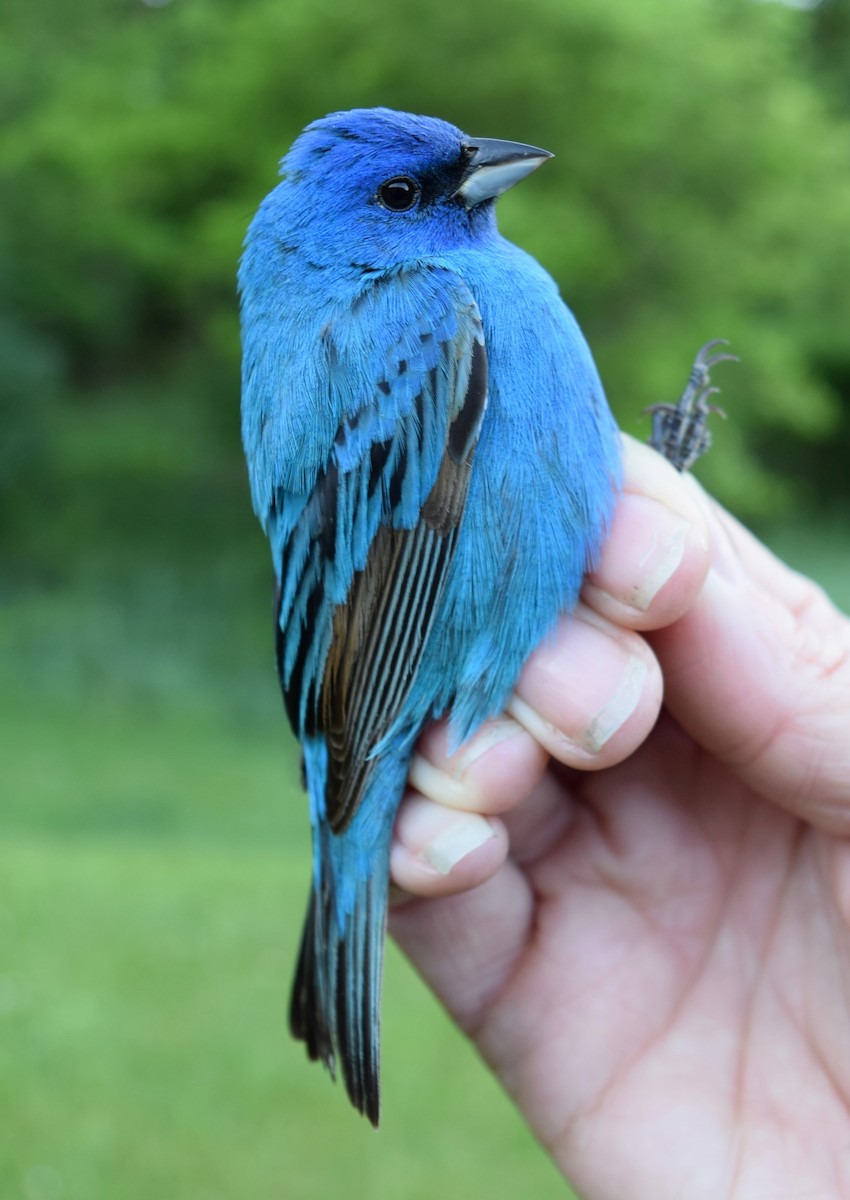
(306, 1013)
(336, 994)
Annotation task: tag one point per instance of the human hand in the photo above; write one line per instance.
(644, 926)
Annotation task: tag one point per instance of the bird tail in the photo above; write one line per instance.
(336, 995)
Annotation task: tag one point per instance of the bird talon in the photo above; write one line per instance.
(680, 431)
(719, 358)
(705, 350)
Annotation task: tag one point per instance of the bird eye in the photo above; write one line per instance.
(399, 194)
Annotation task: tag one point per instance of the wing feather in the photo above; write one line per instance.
(364, 557)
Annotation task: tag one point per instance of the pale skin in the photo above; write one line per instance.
(642, 923)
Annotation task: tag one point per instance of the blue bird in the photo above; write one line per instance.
(433, 460)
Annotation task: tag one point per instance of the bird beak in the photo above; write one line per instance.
(494, 166)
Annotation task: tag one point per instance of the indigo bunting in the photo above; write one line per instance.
(433, 460)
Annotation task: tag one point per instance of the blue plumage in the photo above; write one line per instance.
(432, 458)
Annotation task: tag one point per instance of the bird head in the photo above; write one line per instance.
(379, 188)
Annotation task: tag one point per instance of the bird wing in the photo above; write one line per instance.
(364, 554)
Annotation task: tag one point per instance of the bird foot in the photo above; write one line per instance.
(680, 431)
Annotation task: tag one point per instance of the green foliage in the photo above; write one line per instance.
(700, 189)
(831, 47)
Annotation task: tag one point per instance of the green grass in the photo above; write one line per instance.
(154, 857)
(144, 1052)
(153, 863)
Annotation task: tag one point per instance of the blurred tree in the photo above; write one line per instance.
(831, 46)
(700, 189)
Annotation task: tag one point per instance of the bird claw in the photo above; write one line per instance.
(680, 431)
(705, 360)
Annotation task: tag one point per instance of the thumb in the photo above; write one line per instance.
(758, 672)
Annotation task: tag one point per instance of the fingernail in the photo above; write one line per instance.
(574, 702)
(613, 715)
(463, 835)
(599, 730)
(660, 560)
(656, 538)
(446, 784)
(437, 836)
(486, 738)
(541, 730)
(436, 784)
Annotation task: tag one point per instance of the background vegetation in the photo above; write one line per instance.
(154, 844)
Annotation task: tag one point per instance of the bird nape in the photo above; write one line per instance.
(433, 460)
